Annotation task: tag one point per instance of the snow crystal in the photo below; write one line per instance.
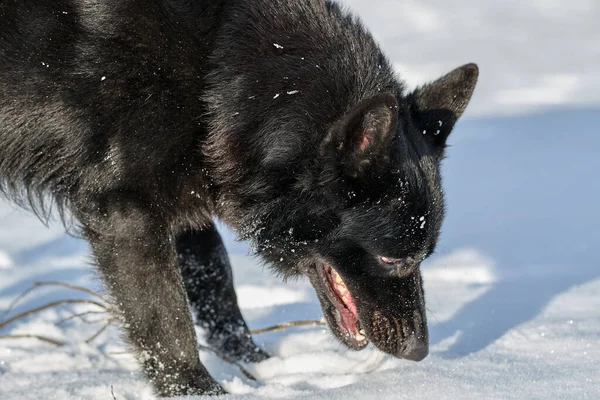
(5, 260)
(276, 96)
(278, 46)
(293, 92)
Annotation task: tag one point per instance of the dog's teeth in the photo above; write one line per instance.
(338, 279)
(362, 332)
(359, 337)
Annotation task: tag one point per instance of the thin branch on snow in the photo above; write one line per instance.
(73, 287)
(47, 306)
(112, 392)
(106, 309)
(99, 332)
(285, 325)
(81, 316)
(38, 337)
(37, 285)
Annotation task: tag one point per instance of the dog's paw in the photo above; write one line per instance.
(237, 346)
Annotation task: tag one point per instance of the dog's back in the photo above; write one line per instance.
(88, 86)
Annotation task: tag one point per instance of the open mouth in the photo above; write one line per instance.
(345, 313)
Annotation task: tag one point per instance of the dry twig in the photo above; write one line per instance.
(285, 325)
(81, 316)
(99, 332)
(106, 308)
(49, 305)
(53, 304)
(27, 336)
(37, 285)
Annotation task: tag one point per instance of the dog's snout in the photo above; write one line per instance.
(415, 348)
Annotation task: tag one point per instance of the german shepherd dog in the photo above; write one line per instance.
(144, 120)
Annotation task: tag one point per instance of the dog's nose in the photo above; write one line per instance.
(415, 349)
(407, 262)
(399, 266)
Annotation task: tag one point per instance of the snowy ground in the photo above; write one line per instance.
(513, 292)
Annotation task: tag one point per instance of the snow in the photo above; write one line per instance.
(5, 261)
(513, 292)
(532, 54)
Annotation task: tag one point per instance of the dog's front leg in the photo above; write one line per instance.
(209, 283)
(135, 254)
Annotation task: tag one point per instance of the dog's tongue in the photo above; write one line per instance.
(348, 311)
(342, 291)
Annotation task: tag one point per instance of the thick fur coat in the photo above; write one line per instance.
(146, 120)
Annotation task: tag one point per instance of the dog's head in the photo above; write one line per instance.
(379, 216)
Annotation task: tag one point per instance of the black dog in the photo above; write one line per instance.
(146, 119)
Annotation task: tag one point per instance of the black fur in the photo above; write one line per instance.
(145, 120)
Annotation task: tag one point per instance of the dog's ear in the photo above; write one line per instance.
(436, 107)
(363, 136)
